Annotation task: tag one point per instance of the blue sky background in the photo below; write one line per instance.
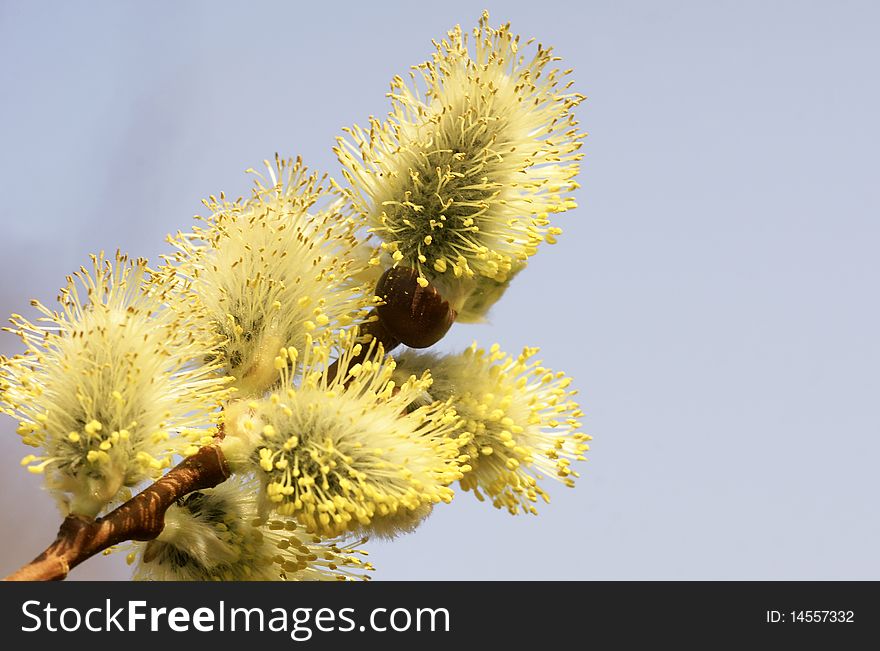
(714, 295)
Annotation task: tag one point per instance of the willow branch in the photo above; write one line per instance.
(411, 314)
(143, 516)
(140, 518)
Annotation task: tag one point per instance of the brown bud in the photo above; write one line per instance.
(418, 316)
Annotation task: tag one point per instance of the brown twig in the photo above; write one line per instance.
(140, 518)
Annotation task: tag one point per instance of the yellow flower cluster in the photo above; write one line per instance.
(341, 450)
(461, 179)
(521, 418)
(112, 385)
(217, 535)
(254, 323)
(272, 269)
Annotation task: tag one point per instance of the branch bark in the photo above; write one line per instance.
(140, 518)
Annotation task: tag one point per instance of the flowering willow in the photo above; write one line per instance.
(272, 269)
(341, 450)
(521, 418)
(261, 355)
(217, 534)
(112, 386)
(460, 181)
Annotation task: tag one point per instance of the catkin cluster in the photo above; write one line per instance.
(270, 331)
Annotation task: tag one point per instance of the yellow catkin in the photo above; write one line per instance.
(218, 534)
(343, 449)
(112, 385)
(522, 420)
(478, 149)
(274, 268)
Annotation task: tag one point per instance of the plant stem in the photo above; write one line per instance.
(140, 518)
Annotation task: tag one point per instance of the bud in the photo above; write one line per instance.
(417, 315)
